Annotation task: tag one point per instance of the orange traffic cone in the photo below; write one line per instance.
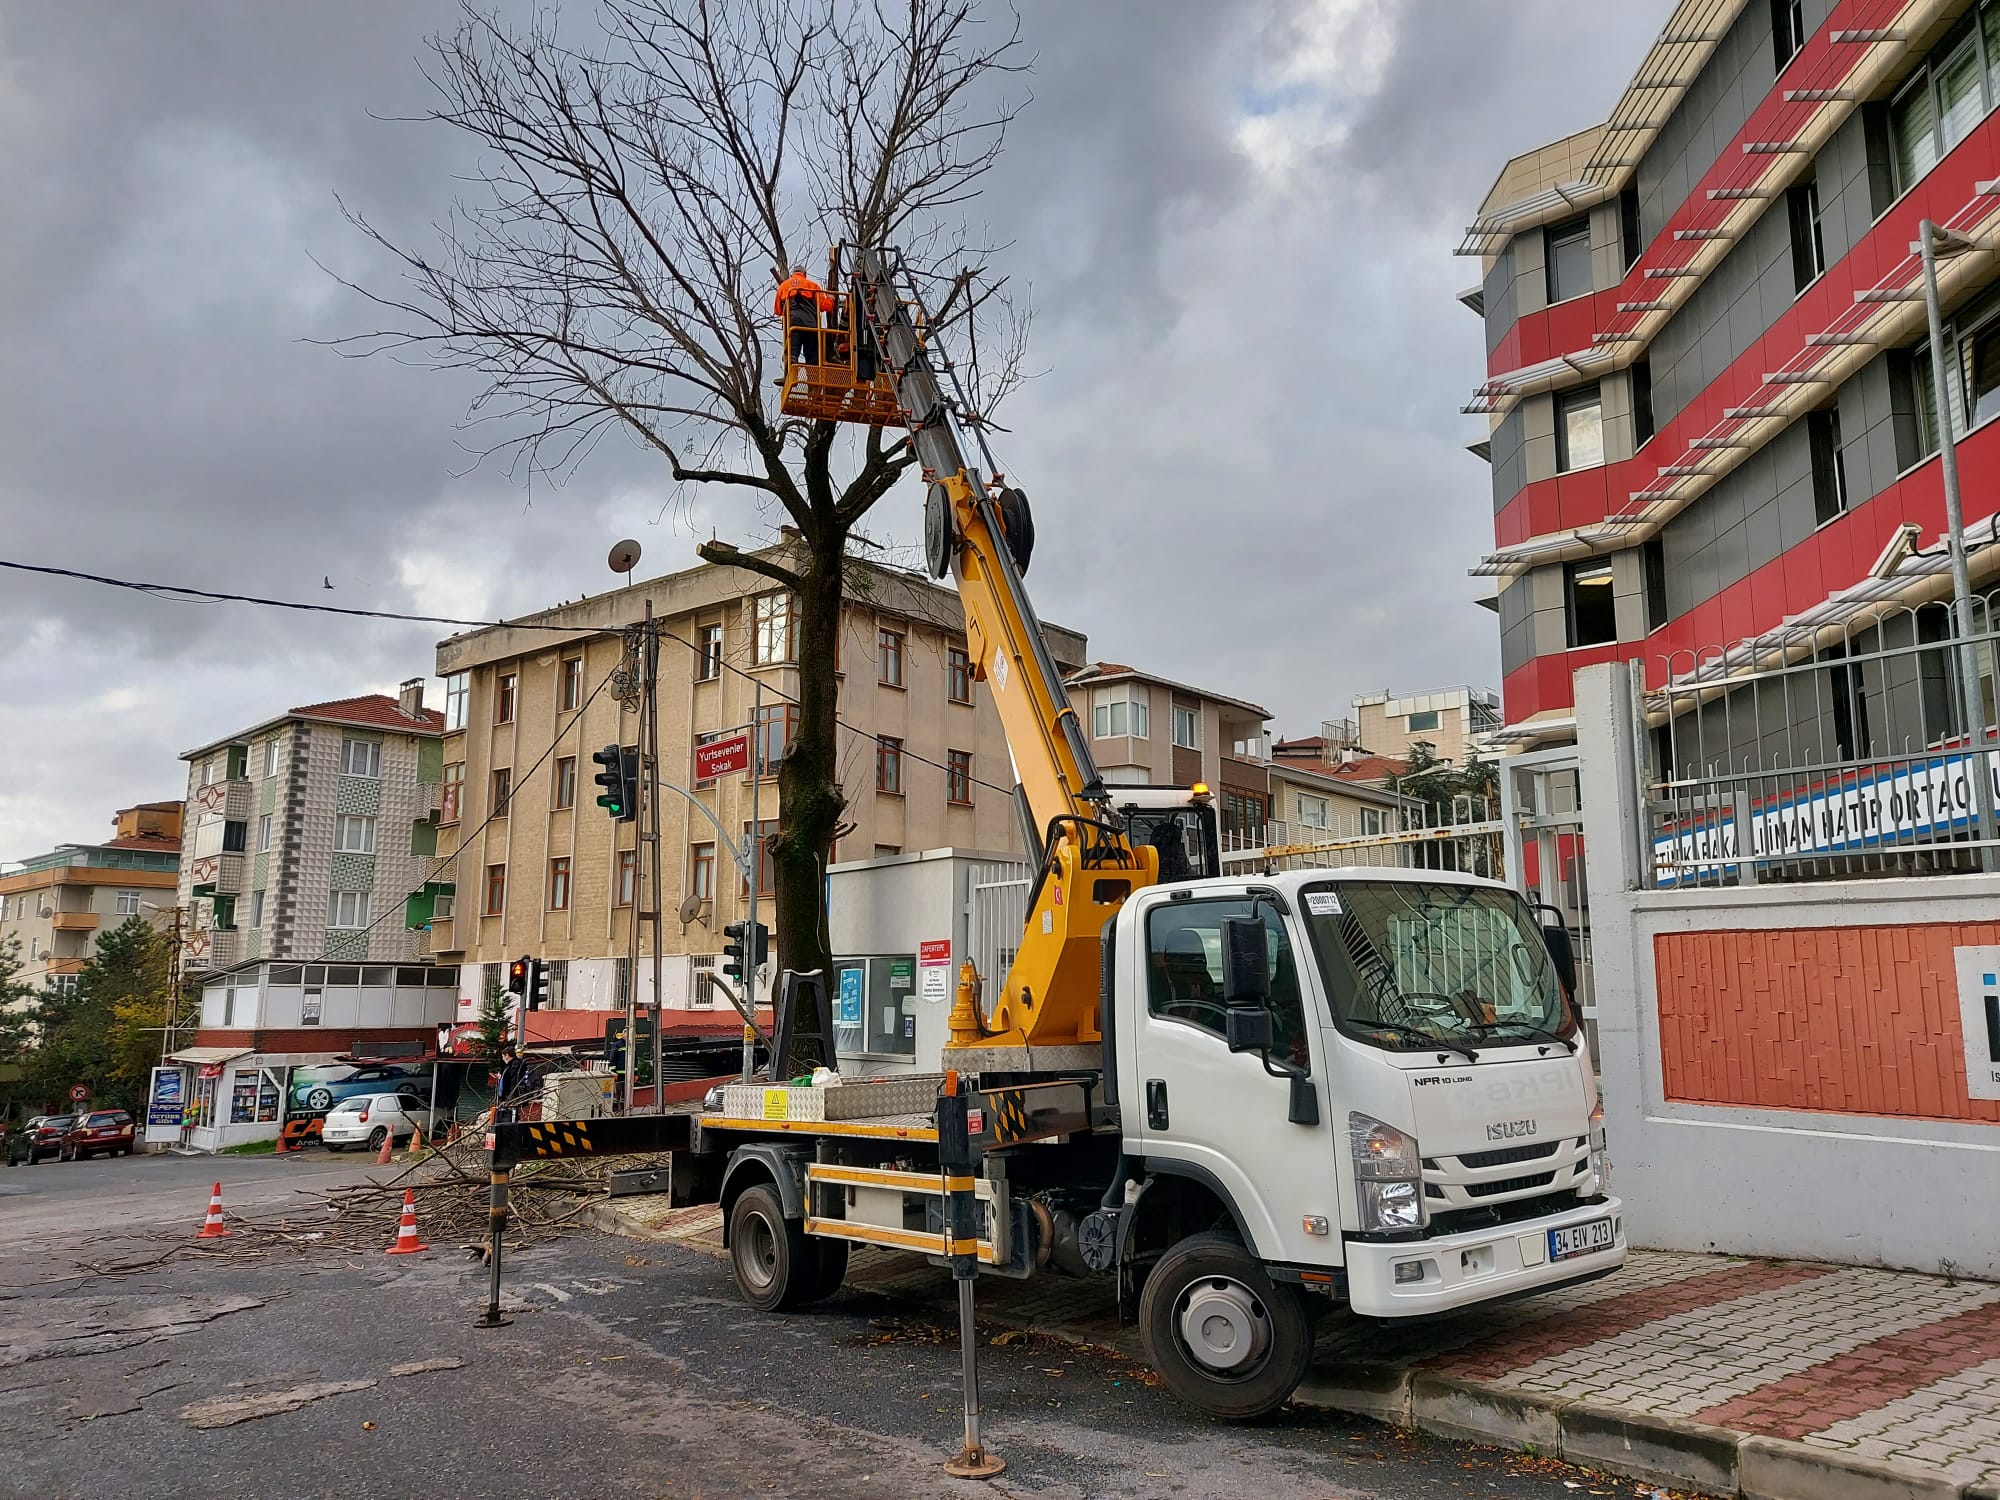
(212, 1227)
(416, 1142)
(388, 1147)
(407, 1242)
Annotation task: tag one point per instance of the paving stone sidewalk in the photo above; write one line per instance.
(1875, 1370)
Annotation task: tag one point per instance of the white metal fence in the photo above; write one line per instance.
(996, 909)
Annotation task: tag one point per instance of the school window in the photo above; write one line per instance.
(957, 674)
(565, 781)
(270, 759)
(451, 792)
(772, 629)
(1958, 84)
(1187, 728)
(503, 788)
(1808, 238)
(889, 765)
(1653, 573)
(348, 910)
(496, 890)
(1829, 469)
(1122, 710)
(457, 694)
(1567, 252)
(775, 727)
(1592, 610)
(708, 653)
(1579, 430)
(1631, 236)
(572, 682)
(1312, 811)
(958, 777)
(360, 757)
(889, 657)
(701, 872)
(1424, 722)
(256, 908)
(264, 833)
(559, 884)
(628, 875)
(128, 903)
(1643, 426)
(1371, 820)
(1243, 817)
(1788, 30)
(353, 835)
(503, 700)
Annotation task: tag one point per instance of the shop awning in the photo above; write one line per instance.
(208, 1054)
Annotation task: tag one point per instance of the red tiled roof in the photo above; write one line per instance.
(377, 709)
(1367, 768)
(154, 842)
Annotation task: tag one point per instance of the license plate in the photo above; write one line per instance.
(1580, 1239)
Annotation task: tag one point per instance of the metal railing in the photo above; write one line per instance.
(996, 909)
(1823, 752)
(1467, 839)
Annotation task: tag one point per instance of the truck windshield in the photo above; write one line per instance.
(1408, 964)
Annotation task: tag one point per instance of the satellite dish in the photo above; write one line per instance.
(624, 556)
(691, 909)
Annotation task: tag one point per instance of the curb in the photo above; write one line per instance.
(1639, 1445)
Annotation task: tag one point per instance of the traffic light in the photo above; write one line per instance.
(619, 776)
(744, 941)
(538, 985)
(517, 976)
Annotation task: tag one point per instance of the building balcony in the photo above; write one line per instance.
(214, 948)
(229, 799)
(439, 939)
(73, 921)
(217, 875)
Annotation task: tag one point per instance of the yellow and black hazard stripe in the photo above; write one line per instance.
(1010, 1116)
(561, 1138)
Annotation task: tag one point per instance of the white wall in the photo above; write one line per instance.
(1856, 1189)
(891, 906)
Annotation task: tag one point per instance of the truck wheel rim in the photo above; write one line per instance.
(1224, 1326)
(760, 1251)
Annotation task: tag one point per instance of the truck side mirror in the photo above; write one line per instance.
(1563, 955)
(1246, 963)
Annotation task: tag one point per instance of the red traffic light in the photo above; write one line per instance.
(517, 976)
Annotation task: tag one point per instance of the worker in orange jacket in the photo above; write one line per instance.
(800, 301)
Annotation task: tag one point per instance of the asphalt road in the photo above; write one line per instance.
(630, 1369)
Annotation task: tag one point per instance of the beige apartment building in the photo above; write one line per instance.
(57, 903)
(539, 869)
(1449, 718)
(1155, 731)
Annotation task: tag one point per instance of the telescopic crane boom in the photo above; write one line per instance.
(979, 531)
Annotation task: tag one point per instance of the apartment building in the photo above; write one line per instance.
(1708, 377)
(534, 866)
(1152, 730)
(1449, 719)
(312, 832)
(56, 904)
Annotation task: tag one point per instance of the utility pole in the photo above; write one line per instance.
(754, 853)
(632, 946)
(649, 805)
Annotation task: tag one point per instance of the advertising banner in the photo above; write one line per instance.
(165, 1104)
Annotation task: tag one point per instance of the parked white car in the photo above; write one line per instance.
(369, 1119)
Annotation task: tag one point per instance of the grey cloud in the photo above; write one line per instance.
(1245, 449)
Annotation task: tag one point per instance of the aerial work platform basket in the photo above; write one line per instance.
(846, 382)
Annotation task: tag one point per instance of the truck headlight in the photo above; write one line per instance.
(1388, 1175)
(1600, 1154)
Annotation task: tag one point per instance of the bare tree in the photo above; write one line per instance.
(642, 189)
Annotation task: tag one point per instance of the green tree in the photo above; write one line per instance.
(494, 1013)
(1454, 794)
(105, 1032)
(17, 1025)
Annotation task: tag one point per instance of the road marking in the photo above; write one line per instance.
(554, 1291)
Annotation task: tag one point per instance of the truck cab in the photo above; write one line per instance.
(1378, 1078)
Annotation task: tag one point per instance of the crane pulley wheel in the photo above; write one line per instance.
(1019, 522)
(938, 530)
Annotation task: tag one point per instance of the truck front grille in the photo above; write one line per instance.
(1508, 1185)
(1534, 1151)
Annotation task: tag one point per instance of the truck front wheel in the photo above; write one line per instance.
(1224, 1337)
(775, 1264)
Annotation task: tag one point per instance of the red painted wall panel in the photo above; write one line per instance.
(1844, 1020)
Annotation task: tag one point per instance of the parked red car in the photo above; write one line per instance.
(102, 1132)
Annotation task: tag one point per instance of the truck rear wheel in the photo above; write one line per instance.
(1224, 1337)
(826, 1265)
(776, 1266)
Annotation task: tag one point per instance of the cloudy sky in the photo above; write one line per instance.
(1234, 219)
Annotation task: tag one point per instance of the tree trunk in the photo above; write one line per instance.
(810, 794)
